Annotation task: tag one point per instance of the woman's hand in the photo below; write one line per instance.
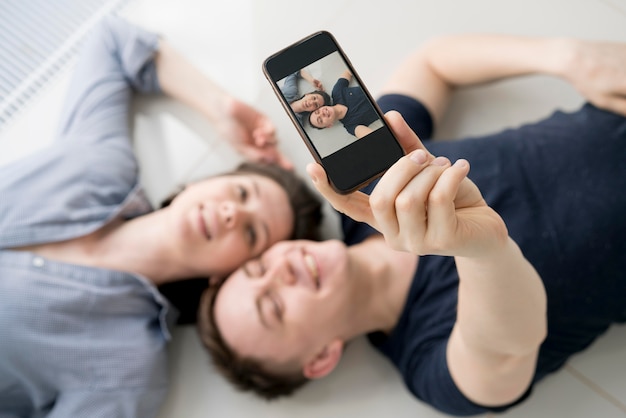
(423, 205)
(598, 71)
(251, 133)
(317, 85)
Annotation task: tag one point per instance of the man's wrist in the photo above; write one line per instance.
(560, 57)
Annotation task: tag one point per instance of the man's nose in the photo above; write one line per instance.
(288, 278)
(284, 276)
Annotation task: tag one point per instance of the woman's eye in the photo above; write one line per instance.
(243, 193)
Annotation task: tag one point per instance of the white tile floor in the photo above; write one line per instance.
(229, 40)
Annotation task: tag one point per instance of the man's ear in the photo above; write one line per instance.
(325, 361)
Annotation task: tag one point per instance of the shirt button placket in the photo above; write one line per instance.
(38, 262)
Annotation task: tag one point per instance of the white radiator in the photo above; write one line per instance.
(39, 39)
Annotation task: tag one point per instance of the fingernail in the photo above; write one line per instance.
(418, 156)
(440, 161)
(461, 163)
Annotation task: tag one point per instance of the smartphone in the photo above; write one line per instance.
(345, 130)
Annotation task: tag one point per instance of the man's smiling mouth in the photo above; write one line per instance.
(313, 269)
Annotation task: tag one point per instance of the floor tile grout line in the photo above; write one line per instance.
(595, 387)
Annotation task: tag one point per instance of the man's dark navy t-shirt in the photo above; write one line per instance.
(559, 186)
(360, 111)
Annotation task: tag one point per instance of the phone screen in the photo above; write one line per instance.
(342, 126)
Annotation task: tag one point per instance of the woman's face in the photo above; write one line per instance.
(312, 101)
(220, 222)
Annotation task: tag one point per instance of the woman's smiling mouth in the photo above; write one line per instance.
(204, 228)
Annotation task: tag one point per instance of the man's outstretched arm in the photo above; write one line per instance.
(427, 206)
(438, 67)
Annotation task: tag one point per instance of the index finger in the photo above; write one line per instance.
(356, 205)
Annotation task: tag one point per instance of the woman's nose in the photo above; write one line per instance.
(230, 213)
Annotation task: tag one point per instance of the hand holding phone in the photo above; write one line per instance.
(343, 127)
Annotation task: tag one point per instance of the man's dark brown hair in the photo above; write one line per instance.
(246, 374)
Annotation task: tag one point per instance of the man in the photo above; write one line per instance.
(350, 107)
(519, 268)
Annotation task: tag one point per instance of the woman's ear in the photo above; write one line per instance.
(325, 361)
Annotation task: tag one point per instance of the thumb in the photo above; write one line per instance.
(355, 205)
(405, 135)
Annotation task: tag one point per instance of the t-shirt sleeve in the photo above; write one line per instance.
(337, 88)
(414, 113)
(290, 87)
(430, 380)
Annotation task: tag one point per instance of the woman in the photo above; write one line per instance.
(81, 252)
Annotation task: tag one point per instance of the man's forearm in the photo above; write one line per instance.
(473, 59)
(502, 302)
(501, 322)
(441, 65)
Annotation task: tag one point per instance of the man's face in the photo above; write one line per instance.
(312, 101)
(324, 117)
(283, 307)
